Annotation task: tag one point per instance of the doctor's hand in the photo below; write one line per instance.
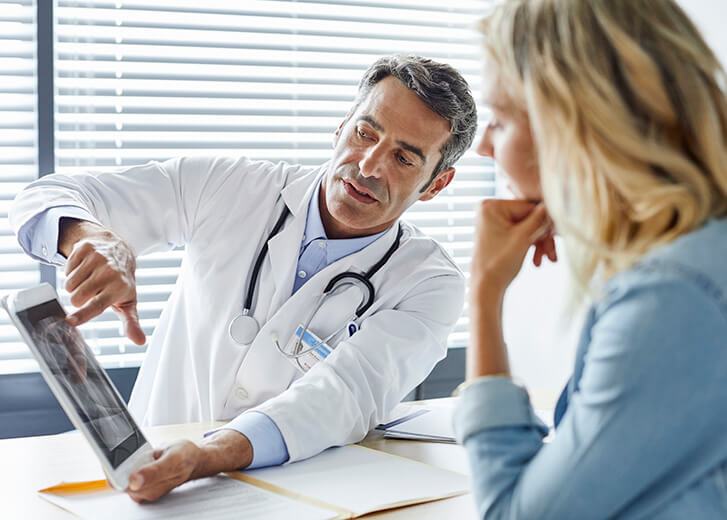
(100, 274)
(225, 450)
(505, 230)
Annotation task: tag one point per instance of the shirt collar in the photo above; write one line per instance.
(336, 248)
(313, 224)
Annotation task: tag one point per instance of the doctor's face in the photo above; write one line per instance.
(384, 157)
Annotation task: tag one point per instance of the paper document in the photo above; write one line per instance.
(361, 480)
(433, 425)
(339, 483)
(214, 498)
(401, 412)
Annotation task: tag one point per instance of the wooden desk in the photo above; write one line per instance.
(32, 463)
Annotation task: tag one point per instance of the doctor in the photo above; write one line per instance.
(263, 242)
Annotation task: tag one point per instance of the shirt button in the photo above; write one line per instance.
(44, 250)
(322, 244)
(241, 393)
(302, 274)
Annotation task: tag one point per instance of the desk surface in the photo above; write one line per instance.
(32, 463)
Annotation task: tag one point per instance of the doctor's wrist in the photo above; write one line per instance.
(72, 230)
(224, 450)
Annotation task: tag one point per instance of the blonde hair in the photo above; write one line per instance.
(627, 108)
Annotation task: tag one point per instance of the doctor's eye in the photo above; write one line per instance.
(403, 160)
(363, 134)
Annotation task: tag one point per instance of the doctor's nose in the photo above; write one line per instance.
(370, 164)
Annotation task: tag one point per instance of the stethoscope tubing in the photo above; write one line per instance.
(364, 279)
(247, 306)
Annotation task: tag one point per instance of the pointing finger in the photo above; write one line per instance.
(130, 318)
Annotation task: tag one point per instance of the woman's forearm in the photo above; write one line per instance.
(487, 354)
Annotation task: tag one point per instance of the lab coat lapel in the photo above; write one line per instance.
(283, 248)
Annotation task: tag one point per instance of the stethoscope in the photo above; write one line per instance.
(244, 327)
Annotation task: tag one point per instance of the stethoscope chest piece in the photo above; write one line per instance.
(243, 329)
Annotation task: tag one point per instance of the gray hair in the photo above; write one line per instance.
(441, 88)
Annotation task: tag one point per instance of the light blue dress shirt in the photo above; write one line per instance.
(39, 237)
(641, 428)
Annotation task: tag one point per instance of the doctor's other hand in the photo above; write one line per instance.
(224, 450)
(505, 230)
(100, 273)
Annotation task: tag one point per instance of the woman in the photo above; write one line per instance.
(612, 113)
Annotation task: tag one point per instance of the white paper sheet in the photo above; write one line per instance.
(434, 425)
(214, 498)
(362, 480)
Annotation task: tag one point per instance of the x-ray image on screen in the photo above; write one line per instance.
(96, 401)
(75, 368)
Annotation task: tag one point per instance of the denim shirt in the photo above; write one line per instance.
(641, 428)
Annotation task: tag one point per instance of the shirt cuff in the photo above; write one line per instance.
(39, 236)
(493, 402)
(268, 445)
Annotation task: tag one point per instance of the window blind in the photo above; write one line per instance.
(18, 157)
(149, 80)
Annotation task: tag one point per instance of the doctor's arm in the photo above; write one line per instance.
(100, 221)
(99, 265)
(341, 399)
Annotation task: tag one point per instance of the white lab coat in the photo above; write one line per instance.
(222, 210)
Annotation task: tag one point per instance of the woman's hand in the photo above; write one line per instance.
(505, 230)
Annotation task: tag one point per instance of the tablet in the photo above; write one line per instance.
(81, 386)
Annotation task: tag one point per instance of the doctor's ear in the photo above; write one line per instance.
(440, 182)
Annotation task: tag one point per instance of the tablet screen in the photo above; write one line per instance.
(84, 382)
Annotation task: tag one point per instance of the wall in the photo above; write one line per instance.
(710, 17)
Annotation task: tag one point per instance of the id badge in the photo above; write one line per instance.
(309, 340)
